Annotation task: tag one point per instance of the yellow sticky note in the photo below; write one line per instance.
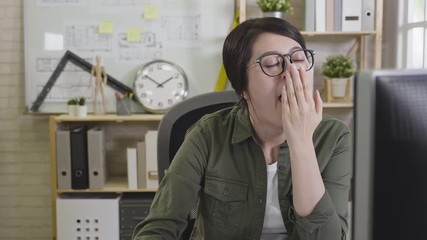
(151, 12)
(134, 35)
(105, 27)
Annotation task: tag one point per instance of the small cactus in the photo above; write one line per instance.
(82, 101)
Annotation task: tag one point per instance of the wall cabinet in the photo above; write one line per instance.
(120, 132)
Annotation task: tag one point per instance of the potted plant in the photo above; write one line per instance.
(337, 71)
(72, 106)
(81, 108)
(275, 8)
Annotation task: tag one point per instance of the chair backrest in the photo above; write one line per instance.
(175, 124)
(183, 116)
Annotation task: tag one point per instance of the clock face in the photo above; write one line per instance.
(159, 85)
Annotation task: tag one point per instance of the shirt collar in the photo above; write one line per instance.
(242, 125)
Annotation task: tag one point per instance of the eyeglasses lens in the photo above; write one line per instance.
(274, 65)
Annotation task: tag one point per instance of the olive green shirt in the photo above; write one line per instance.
(220, 170)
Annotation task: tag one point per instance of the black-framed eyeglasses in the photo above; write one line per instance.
(274, 64)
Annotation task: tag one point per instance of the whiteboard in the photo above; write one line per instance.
(126, 34)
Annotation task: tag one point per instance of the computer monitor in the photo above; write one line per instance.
(390, 155)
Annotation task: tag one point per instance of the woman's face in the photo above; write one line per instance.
(264, 92)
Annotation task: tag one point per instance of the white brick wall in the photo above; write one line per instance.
(25, 211)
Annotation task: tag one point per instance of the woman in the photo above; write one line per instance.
(270, 168)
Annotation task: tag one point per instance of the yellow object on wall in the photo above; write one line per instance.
(221, 82)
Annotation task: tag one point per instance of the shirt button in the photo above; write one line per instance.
(226, 192)
(281, 167)
(260, 201)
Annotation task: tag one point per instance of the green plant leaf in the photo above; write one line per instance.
(72, 101)
(275, 5)
(338, 66)
(82, 101)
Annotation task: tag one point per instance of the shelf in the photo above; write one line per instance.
(342, 34)
(109, 118)
(114, 184)
(358, 35)
(337, 105)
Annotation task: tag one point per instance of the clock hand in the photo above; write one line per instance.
(167, 80)
(158, 85)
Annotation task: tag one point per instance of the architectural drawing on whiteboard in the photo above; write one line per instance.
(61, 3)
(40, 87)
(84, 37)
(58, 26)
(119, 2)
(119, 6)
(48, 65)
(182, 30)
(71, 83)
(65, 92)
(147, 49)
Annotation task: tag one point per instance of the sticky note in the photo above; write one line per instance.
(151, 12)
(134, 35)
(105, 27)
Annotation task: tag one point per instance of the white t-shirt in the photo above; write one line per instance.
(274, 228)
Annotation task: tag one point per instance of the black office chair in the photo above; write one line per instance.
(178, 120)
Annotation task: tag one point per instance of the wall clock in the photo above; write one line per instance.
(159, 85)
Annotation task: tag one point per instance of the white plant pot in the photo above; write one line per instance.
(338, 87)
(276, 14)
(72, 110)
(81, 111)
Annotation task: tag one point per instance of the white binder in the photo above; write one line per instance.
(351, 15)
(337, 15)
(368, 15)
(320, 15)
(151, 159)
(310, 15)
(96, 158)
(141, 165)
(132, 168)
(63, 159)
(330, 15)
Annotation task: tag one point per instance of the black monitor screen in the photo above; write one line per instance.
(400, 168)
(392, 119)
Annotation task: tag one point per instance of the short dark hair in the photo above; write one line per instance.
(237, 50)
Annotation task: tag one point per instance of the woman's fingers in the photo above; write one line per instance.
(290, 91)
(285, 101)
(308, 94)
(300, 90)
(298, 86)
(318, 102)
(296, 93)
(301, 111)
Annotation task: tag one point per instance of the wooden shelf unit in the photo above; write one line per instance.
(337, 105)
(358, 48)
(109, 118)
(114, 184)
(241, 5)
